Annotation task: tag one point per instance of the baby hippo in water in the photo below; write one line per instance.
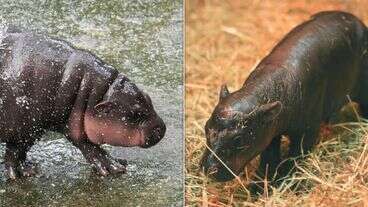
(47, 84)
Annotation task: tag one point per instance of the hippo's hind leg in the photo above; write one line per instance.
(15, 160)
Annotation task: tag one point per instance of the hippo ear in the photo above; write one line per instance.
(224, 92)
(270, 110)
(104, 106)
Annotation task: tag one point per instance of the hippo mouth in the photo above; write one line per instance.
(220, 173)
(124, 135)
(216, 170)
(135, 139)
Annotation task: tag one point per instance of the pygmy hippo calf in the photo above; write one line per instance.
(301, 83)
(47, 84)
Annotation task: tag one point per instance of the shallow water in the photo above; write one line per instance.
(143, 39)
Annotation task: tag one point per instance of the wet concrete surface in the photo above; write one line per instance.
(143, 39)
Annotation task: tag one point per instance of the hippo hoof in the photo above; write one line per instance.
(28, 169)
(256, 189)
(11, 172)
(109, 167)
(25, 169)
(122, 161)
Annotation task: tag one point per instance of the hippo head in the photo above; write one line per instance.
(237, 131)
(125, 117)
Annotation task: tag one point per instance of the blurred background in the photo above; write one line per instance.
(225, 39)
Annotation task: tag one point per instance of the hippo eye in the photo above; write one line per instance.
(227, 152)
(237, 141)
(133, 117)
(136, 117)
(240, 143)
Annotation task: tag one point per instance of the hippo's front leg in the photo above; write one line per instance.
(15, 160)
(268, 167)
(101, 161)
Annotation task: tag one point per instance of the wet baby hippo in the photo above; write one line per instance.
(304, 80)
(47, 84)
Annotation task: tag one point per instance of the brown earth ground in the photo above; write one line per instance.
(224, 41)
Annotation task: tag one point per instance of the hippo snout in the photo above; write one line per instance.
(156, 133)
(213, 169)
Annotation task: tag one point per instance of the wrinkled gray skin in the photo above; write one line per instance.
(47, 84)
(301, 83)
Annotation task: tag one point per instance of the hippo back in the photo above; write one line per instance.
(31, 70)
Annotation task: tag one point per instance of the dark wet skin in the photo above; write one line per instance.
(47, 84)
(303, 81)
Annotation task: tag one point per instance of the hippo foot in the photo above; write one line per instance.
(100, 160)
(256, 189)
(105, 166)
(24, 169)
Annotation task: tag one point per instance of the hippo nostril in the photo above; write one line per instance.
(156, 131)
(159, 131)
(156, 134)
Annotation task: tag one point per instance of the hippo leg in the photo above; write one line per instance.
(364, 110)
(300, 144)
(15, 161)
(363, 101)
(270, 160)
(101, 161)
(305, 143)
(362, 98)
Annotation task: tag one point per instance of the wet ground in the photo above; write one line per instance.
(140, 38)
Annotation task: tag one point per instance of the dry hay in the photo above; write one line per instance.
(224, 41)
